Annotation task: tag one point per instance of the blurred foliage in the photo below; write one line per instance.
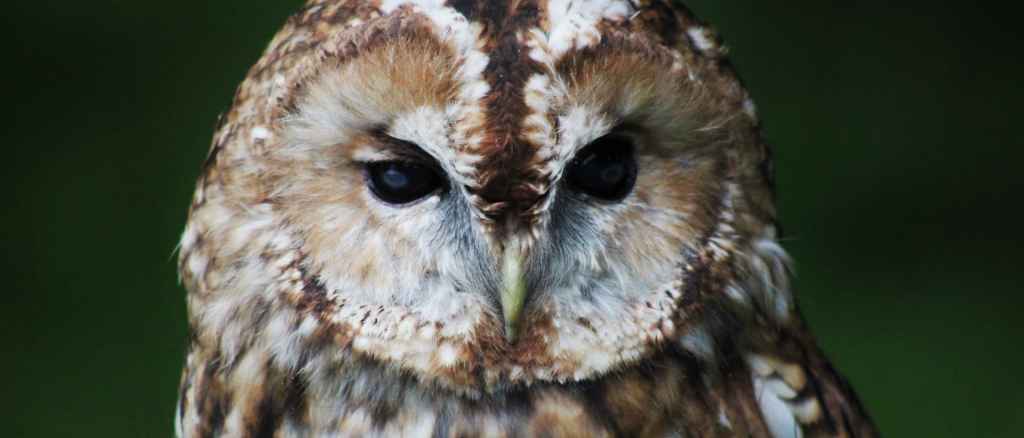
(898, 164)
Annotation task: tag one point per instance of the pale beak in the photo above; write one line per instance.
(513, 288)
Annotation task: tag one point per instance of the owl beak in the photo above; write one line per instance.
(513, 292)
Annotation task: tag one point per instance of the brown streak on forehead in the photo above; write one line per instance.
(507, 175)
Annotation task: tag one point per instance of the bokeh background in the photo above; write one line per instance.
(899, 144)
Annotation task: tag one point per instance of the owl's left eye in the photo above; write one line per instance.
(605, 169)
(398, 182)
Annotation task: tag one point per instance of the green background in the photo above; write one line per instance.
(898, 144)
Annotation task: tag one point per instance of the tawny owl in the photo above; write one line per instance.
(495, 218)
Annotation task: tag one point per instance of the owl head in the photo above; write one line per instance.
(481, 194)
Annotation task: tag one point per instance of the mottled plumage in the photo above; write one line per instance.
(514, 295)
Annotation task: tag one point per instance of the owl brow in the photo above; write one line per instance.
(625, 125)
(400, 150)
(623, 128)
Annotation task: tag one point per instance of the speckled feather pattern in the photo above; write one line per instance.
(317, 310)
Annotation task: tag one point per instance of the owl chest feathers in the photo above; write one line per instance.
(673, 394)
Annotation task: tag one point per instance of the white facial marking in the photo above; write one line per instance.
(574, 23)
(700, 38)
(260, 133)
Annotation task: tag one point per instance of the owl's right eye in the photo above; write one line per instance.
(398, 182)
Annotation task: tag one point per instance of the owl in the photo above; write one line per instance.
(455, 218)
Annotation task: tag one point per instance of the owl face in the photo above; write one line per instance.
(482, 194)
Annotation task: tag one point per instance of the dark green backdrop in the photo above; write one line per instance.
(898, 143)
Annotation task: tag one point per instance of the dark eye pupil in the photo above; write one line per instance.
(606, 169)
(400, 183)
(394, 178)
(613, 174)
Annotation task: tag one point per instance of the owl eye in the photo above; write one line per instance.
(398, 182)
(605, 169)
